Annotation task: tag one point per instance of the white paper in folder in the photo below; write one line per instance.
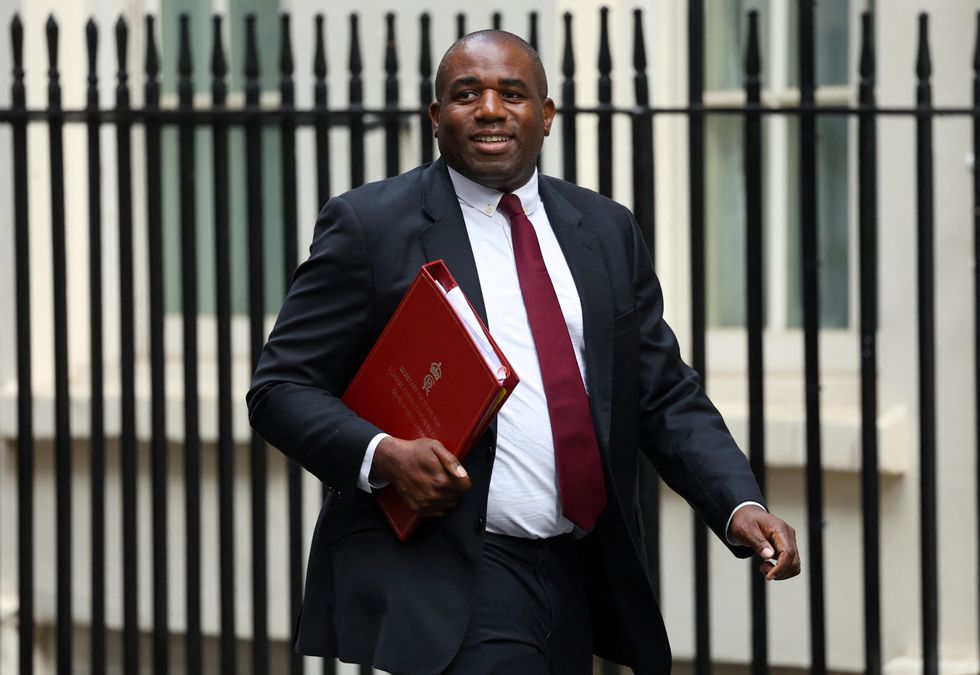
(463, 310)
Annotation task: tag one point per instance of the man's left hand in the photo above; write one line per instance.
(769, 537)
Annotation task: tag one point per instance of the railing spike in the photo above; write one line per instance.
(320, 53)
(532, 33)
(54, 87)
(122, 72)
(17, 43)
(392, 96)
(568, 58)
(391, 53)
(285, 60)
(251, 55)
(18, 90)
(285, 46)
(51, 29)
(867, 67)
(923, 63)
(355, 88)
(320, 96)
(354, 62)
(639, 44)
(976, 48)
(152, 67)
(460, 25)
(568, 125)
(425, 88)
(498, 20)
(604, 122)
(605, 58)
(251, 48)
(92, 50)
(184, 47)
(605, 55)
(151, 88)
(641, 85)
(219, 65)
(122, 41)
(425, 47)
(753, 61)
(355, 98)
(185, 85)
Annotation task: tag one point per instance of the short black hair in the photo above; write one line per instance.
(491, 35)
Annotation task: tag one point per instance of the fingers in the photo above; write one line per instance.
(788, 555)
(781, 541)
(772, 540)
(430, 479)
(786, 566)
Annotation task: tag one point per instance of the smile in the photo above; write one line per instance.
(491, 139)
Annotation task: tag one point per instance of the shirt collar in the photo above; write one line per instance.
(485, 200)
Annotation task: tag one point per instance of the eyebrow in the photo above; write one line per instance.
(507, 81)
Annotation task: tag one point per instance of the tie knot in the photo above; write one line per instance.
(510, 204)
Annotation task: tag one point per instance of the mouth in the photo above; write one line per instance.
(491, 143)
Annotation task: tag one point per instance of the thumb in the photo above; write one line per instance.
(754, 537)
(762, 546)
(449, 461)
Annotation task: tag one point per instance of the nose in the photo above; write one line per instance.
(490, 106)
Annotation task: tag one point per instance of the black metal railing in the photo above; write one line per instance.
(393, 121)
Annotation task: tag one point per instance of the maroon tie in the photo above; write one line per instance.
(583, 492)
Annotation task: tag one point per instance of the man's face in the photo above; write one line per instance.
(491, 119)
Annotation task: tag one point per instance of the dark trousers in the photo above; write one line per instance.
(531, 615)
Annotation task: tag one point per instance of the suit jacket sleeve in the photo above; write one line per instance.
(322, 334)
(680, 429)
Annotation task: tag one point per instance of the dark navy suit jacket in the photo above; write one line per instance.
(405, 607)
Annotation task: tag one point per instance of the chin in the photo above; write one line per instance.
(491, 179)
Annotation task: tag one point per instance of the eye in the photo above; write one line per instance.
(465, 95)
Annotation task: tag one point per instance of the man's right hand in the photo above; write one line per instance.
(427, 476)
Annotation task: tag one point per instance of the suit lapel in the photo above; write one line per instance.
(445, 236)
(587, 265)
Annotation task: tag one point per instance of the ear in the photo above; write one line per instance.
(548, 110)
(434, 109)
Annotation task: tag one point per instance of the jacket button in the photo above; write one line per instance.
(478, 524)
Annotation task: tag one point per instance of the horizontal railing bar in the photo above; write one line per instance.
(342, 117)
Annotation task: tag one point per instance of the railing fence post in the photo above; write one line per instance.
(754, 323)
(127, 355)
(927, 353)
(257, 334)
(222, 277)
(868, 235)
(569, 138)
(25, 392)
(695, 93)
(97, 468)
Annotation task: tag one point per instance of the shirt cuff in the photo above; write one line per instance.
(364, 479)
(729, 523)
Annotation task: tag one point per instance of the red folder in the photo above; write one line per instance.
(427, 377)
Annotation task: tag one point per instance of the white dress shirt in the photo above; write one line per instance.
(523, 499)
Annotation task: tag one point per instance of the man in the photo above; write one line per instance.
(531, 555)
